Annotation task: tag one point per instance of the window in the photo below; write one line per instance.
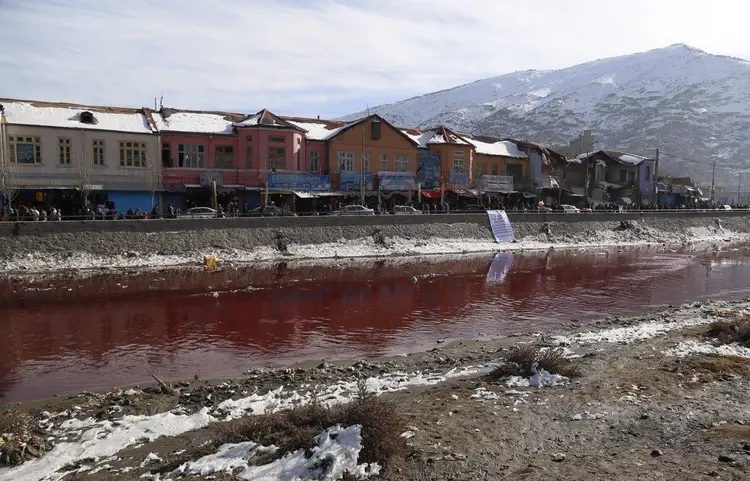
(64, 150)
(458, 153)
(25, 150)
(375, 129)
(276, 140)
(249, 152)
(623, 176)
(133, 154)
(515, 171)
(384, 162)
(648, 173)
(276, 158)
(166, 155)
(346, 161)
(224, 157)
(366, 161)
(631, 177)
(401, 163)
(189, 156)
(494, 168)
(98, 152)
(458, 164)
(314, 161)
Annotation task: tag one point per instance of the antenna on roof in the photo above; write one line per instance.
(155, 104)
(368, 109)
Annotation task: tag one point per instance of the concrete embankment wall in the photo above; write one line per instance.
(182, 236)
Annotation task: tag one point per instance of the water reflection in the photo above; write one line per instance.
(85, 332)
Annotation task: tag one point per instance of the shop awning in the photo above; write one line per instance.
(463, 193)
(431, 194)
(304, 195)
(329, 193)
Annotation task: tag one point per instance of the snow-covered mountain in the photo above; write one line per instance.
(680, 99)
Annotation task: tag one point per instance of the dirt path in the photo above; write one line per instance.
(636, 413)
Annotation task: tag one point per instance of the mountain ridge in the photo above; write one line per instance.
(679, 98)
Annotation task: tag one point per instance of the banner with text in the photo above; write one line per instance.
(500, 224)
(401, 181)
(497, 183)
(351, 181)
(299, 182)
(428, 173)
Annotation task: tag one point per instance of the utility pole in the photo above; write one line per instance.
(713, 182)
(362, 168)
(739, 184)
(656, 177)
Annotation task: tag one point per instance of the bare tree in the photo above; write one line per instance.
(84, 177)
(153, 179)
(9, 183)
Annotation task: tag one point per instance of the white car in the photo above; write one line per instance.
(570, 209)
(198, 213)
(405, 210)
(725, 207)
(356, 210)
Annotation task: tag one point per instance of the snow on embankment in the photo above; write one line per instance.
(75, 245)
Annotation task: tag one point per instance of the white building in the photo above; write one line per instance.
(54, 151)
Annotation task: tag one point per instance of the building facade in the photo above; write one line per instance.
(58, 153)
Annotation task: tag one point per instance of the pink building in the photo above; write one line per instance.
(239, 152)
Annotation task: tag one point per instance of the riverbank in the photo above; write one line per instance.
(654, 399)
(44, 247)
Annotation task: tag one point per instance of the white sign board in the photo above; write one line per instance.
(500, 224)
(497, 183)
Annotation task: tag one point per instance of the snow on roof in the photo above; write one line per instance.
(502, 147)
(264, 118)
(317, 130)
(194, 122)
(46, 114)
(632, 159)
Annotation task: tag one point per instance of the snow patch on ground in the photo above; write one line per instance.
(690, 348)
(339, 393)
(630, 334)
(337, 453)
(105, 438)
(539, 380)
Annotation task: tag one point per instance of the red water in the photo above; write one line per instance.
(67, 334)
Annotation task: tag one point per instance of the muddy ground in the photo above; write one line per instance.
(634, 414)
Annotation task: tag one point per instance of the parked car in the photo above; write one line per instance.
(405, 210)
(725, 207)
(473, 208)
(570, 209)
(198, 213)
(270, 211)
(356, 210)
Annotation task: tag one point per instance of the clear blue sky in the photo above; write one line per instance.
(325, 57)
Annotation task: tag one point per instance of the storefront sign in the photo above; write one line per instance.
(299, 182)
(208, 177)
(459, 178)
(352, 181)
(429, 170)
(497, 183)
(401, 181)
